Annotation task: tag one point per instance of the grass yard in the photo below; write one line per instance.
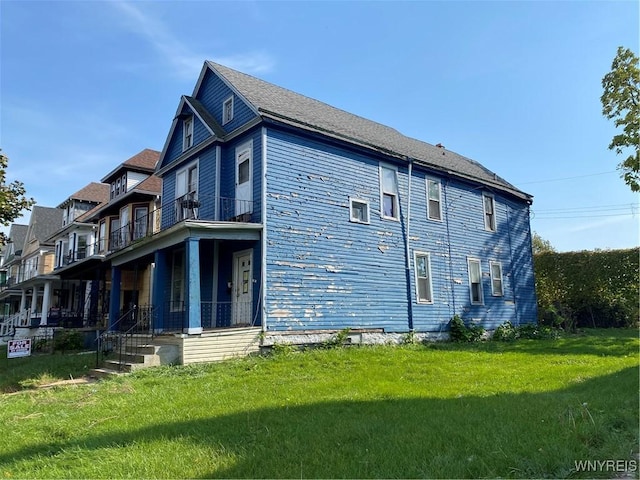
(526, 409)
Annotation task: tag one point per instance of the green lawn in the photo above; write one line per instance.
(526, 409)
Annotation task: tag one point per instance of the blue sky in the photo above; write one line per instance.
(516, 85)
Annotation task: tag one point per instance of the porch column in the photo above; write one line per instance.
(23, 301)
(114, 299)
(193, 286)
(34, 300)
(159, 280)
(46, 301)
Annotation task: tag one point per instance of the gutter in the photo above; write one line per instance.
(407, 251)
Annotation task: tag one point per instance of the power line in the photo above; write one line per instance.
(595, 208)
(566, 178)
(552, 217)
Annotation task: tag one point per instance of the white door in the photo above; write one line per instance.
(243, 180)
(241, 292)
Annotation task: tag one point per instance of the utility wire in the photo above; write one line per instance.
(565, 178)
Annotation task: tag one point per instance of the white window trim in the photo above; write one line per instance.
(417, 254)
(493, 292)
(353, 219)
(488, 227)
(469, 260)
(226, 120)
(427, 180)
(396, 200)
(187, 133)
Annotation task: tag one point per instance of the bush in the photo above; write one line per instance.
(459, 332)
(67, 340)
(588, 289)
(507, 332)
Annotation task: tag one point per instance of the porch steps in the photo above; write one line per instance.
(134, 357)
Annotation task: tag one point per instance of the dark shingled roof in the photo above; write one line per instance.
(145, 161)
(205, 116)
(44, 222)
(17, 235)
(288, 107)
(94, 192)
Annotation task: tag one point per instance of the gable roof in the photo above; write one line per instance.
(144, 161)
(94, 192)
(17, 235)
(284, 106)
(44, 222)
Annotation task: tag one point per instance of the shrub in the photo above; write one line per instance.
(588, 289)
(68, 340)
(460, 332)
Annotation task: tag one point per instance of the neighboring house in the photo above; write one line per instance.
(10, 268)
(76, 301)
(36, 281)
(286, 219)
(117, 212)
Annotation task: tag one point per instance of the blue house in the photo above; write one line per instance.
(284, 219)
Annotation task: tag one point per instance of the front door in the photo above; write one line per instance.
(243, 180)
(241, 292)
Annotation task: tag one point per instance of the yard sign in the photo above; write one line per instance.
(19, 348)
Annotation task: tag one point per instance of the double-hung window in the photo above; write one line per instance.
(389, 192)
(497, 289)
(434, 205)
(475, 281)
(488, 203)
(187, 133)
(422, 264)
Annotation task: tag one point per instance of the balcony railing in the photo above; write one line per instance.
(187, 207)
(193, 206)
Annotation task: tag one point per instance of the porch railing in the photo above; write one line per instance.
(127, 336)
(212, 315)
(9, 324)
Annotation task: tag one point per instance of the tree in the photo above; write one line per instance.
(12, 198)
(621, 101)
(540, 245)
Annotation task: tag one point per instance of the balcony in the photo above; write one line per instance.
(208, 208)
(204, 208)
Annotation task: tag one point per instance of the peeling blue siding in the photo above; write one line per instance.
(325, 272)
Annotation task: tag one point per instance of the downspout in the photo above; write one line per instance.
(446, 216)
(407, 251)
(263, 209)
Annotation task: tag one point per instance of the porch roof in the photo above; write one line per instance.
(181, 231)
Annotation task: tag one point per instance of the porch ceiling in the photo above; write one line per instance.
(187, 229)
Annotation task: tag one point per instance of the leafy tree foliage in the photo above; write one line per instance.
(621, 101)
(588, 288)
(12, 198)
(540, 245)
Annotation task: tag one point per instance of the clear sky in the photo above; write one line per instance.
(514, 85)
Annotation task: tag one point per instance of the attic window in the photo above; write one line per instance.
(227, 110)
(187, 133)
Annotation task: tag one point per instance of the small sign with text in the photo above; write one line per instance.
(19, 348)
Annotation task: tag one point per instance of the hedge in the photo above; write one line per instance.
(588, 288)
